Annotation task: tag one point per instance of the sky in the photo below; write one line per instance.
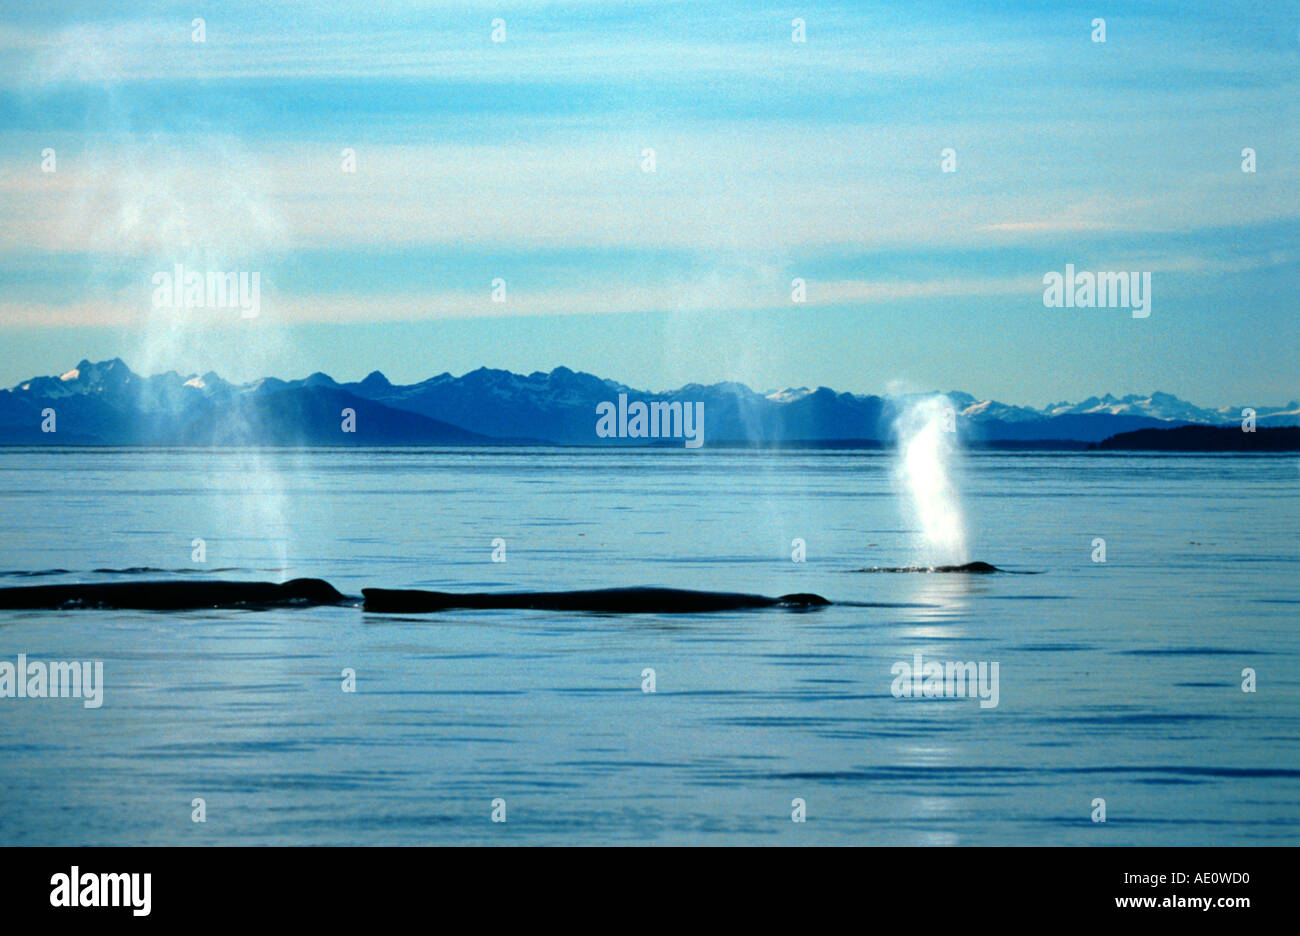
(525, 162)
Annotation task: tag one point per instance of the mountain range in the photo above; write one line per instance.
(105, 403)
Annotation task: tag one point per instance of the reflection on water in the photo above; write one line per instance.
(941, 600)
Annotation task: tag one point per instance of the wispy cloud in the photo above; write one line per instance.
(524, 159)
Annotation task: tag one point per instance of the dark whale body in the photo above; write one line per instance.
(603, 600)
(172, 596)
(308, 592)
(970, 568)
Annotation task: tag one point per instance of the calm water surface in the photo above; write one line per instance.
(1119, 680)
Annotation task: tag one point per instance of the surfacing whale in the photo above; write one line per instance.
(604, 600)
(309, 592)
(172, 596)
(970, 568)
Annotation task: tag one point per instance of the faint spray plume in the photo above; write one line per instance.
(157, 189)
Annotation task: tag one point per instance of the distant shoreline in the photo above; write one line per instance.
(1205, 439)
(1184, 439)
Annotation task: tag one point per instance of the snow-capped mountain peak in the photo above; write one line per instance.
(1157, 405)
(788, 395)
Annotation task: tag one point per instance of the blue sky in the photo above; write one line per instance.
(523, 160)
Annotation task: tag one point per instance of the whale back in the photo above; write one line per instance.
(171, 595)
(599, 600)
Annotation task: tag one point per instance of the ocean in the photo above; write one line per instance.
(1118, 681)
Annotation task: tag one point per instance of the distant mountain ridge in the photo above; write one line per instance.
(106, 403)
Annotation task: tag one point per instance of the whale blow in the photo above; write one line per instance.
(928, 448)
